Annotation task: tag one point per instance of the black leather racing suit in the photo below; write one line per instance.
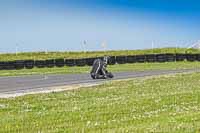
(99, 69)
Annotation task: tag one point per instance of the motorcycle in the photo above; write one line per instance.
(101, 76)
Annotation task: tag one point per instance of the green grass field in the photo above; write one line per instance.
(157, 104)
(74, 55)
(112, 68)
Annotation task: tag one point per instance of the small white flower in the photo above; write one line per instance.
(3, 106)
(88, 123)
(96, 123)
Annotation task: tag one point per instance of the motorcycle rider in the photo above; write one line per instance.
(99, 69)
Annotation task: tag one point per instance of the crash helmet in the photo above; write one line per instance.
(106, 59)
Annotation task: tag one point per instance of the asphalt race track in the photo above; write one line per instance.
(9, 85)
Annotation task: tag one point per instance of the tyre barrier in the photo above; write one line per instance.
(50, 63)
(191, 57)
(160, 58)
(112, 60)
(121, 59)
(181, 57)
(59, 62)
(29, 64)
(69, 62)
(8, 65)
(170, 57)
(19, 64)
(140, 58)
(40, 63)
(89, 61)
(80, 62)
(1, 65)
(198, 57)
(131, 59)
(150, 58)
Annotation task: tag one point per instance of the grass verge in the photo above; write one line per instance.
(112, 68)
(158, 104)
(75, 55)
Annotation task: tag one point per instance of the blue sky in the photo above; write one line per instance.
(63, 25)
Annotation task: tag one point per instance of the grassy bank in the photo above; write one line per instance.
(74, 55)
(159, 104)
(113, 68)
